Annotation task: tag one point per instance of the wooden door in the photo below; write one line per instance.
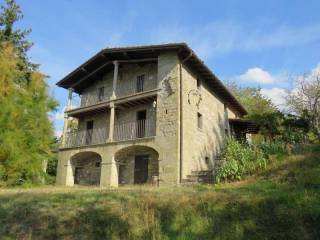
(141, 169)
(89, 132)
(141, 124)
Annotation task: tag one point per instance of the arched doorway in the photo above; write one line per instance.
(86, 167)
(137, 165)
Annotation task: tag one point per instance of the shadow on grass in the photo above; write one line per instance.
(286, 207)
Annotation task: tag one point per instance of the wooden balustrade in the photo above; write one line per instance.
(86, 137)
(134, 130)
(122, 131)
(122, 90)
(133, 87)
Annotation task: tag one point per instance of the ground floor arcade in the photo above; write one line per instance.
(111, 166)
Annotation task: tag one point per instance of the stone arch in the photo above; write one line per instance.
(86, 168)
(137, 165)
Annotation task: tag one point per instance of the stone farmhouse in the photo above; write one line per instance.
(151, 114)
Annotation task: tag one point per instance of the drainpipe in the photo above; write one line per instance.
(181, 115)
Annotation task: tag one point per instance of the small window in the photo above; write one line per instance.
(198, 84)
(207, 160)
(140, 83)
(199, 120)
(97, 164)
(100, 93)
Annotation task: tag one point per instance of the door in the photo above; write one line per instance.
(140, 84)
(141, 123)
(89, 132)
(121, 176)
(77, 175)
(141, 169)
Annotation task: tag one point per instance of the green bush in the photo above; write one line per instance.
(239, 160)
(277, 148)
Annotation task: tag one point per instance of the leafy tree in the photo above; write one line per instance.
(26, 132)
(253, 100)
(304, 101)
(9, 15)
(273, 124)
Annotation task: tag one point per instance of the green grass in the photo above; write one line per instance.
(282, 202)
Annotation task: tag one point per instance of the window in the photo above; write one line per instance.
(140, 83)
(97, 164)
(198, 84)
(207, 160)
(100, 93)
(199, 120)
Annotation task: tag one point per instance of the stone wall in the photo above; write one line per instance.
(126, 158)
(100, 120)
(130, 114)
(167, 125)
(201, 146)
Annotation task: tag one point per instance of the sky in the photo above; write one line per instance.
(250, 42)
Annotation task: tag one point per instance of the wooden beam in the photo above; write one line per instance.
(91, 74)
(138, 60)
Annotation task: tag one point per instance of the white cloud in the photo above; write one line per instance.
(276, 95)
(257, 75)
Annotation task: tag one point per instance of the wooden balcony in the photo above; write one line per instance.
(122, 132)
(86, 137)
(123, 90)
(134, 130)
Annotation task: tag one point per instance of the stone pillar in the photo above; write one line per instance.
(66, 119)
(65, 175)
(109, 173)
(115, 79)
(113, 96)
(69, 174)
(111, 122)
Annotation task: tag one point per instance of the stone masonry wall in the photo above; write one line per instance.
(167, 129)
(201, 146)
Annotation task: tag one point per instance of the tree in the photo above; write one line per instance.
(26, 132)
(252, 99)
(304, 100)
(9, 15)
(260, 109)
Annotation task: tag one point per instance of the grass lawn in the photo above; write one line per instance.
(282, 202)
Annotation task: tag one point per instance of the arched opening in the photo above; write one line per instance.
(137, 165)
(86, 167)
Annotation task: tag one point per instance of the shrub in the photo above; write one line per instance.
(239, 160)
(277, 147)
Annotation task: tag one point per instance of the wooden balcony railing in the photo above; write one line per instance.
(86, 137)
(122, 132)
(134, 130)
(92, 99)
(133, 87)
(123, 89)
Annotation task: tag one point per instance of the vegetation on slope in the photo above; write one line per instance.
(281, 202)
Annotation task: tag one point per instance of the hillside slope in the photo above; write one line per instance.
(282, 202)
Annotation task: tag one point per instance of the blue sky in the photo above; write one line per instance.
(255, 43)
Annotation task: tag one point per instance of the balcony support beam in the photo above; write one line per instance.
(111, 123)
(66, 118)
(115, 79)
